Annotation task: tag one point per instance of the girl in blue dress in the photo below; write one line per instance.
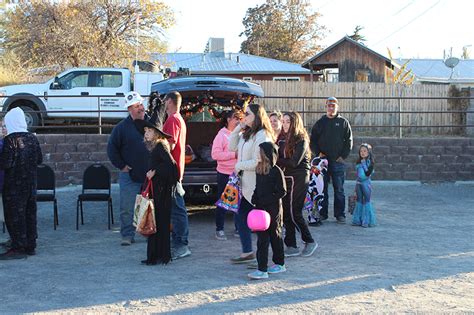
(364, 213)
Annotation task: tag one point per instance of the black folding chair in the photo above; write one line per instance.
(46, 189)
(95, 187)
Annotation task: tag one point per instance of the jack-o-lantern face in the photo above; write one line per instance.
(230, 195)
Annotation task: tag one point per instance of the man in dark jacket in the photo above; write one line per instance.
(127, 152)
(331, 137)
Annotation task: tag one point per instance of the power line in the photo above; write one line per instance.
(411, 21)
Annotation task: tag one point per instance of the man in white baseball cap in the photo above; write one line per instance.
(127, 152)
(134, 105)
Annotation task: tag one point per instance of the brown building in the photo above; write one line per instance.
(349, 61)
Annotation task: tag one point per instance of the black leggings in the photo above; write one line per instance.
(271, 236)
(296, 187)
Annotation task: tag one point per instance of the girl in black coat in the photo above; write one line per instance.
(164, 175)
(270, 188)
(294, 159)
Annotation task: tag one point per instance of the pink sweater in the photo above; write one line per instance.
(220, 152)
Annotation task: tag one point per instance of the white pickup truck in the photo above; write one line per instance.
(82, 91)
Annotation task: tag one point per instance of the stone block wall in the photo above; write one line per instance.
(413, 159)
(418, 159)
(69, 155)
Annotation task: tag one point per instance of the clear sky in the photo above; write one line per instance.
(410, 28)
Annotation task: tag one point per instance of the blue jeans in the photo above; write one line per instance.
(179, 219)
(128, 192)
(336, 173)
(244, 231)
(222, 180)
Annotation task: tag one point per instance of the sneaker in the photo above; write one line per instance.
(277, 269)
(292, 251)
(236, 233)
(324, 217)
(364, 225)
(180, 252)
(220, 235)
(126, 241)
(7, 244)
(250, 258)
(317, 223)
(30, 251)
(257, 275)
(13, 254)
(341, 220)
(309, 249)
(253, 265)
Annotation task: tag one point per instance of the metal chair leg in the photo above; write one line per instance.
(77, 215)
(112, 211)
(56, 216)
(82, 214)
(108, 214)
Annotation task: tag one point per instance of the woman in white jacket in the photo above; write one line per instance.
(254, 129)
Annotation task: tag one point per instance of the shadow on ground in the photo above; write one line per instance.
(424, 236)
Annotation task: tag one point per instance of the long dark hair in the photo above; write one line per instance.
(296, 134)
(225, 116)
(370, 157)
(264, 165)
(261, 122)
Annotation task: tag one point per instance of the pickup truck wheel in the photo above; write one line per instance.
(32, 118)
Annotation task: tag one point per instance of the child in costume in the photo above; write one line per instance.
(315, 193)
(270, 188)
(364, 213)
(164, 175)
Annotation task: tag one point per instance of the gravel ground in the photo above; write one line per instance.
(420, 258)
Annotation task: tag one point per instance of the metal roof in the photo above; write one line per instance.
(434, 70)
(228, 63)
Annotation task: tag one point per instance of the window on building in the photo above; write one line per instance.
(331, 75)
(287, 79)
(362, 75)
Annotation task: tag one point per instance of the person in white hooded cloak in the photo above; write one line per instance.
(20, 158)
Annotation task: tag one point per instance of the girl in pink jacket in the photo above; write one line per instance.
(226, 160)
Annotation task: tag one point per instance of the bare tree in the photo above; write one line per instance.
(282, 29)
(84, 33)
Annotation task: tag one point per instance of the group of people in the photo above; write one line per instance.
(146, 151)
(271, 154)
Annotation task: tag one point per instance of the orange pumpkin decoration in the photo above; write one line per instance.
(230, 195)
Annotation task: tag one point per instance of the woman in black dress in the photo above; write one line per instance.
(164, 175)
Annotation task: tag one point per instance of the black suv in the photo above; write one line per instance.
(204, 99)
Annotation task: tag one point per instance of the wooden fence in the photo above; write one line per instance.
(356, 104)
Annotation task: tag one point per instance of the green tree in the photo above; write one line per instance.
(357, 36)
(282, 29)
(84, 33)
